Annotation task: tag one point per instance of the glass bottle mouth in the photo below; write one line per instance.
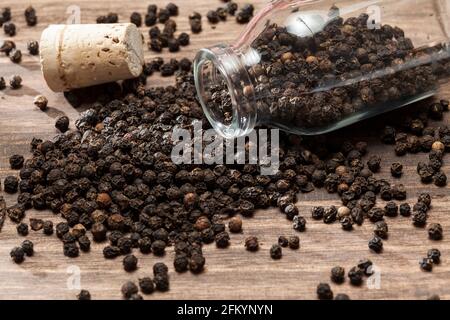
(225, 91)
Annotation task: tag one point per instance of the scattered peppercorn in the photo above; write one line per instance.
(338, 274)
(251, 243)
(130, 263)
(84, 295)
(435, 231)
(136, 18)
(426, 264)
(11, 184)
(324, 292)
(30, 16)
(128, 289)
(17, 254)
(434, 255)
(16, 161)
(62, 123)
(146, 285)
(276, 252)
(15, 82)
(22, 229)
(28, 247)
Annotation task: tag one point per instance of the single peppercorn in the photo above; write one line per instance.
(338, 274)
(324, 292)
(111, 252)
(376, 244)
(128, 289)
(33, 47)
(299, 223)
(28, 247)
(15, 82)
(161, 281)
(405, 209)
(41, 102)
(196, 263)
(2, 83)
(47, 227)
(136, 18)
(222, 239)
(172, 8)
(381, 229)
(434, 255)
(397, 169)
(71, 250)
(213, 16)
(251, 243)
(62, 123)
(22, 229)
(158, 247)
(10, 29)
(160, 267)
(317, 213)
(435, 231)
(426, 264)
(17, 254)
(235, 224)
(146, 285)
(30, 16)
(355, 275)
(391, 209)
(130, 263)
(84, 295)
(183, 39)
(11, 184)
(16, 161)
(283, 241)
(276, 252)
(173, 45)
(294, 242)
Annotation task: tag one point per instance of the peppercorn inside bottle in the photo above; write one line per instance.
(309, 69)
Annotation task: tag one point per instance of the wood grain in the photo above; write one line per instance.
(232, 273)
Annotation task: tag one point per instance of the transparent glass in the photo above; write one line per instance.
(313, 66)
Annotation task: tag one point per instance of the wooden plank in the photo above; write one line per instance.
(232, 273)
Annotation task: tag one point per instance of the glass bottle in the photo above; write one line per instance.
(313, 66)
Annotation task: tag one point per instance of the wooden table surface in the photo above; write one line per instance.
(233, 273)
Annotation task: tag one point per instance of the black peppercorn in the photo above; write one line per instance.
(136, 18)
(48, 227)
(183, 39)
(251, 243)
(111, 252)
(161, 281)
(10, 29)
(341, 296)
(324, 292)
(71, 250)
(11, 184)
(426, 264)
(376, 244)
(381, 229)
(22, 229)
(355, 275)
(146, 285)
(17, 254)
(396, 169)
(391, 209)
(276, 252)
(30, 16)
(435, 231)
(130, 263)
(405, 210)
(434, 255)
(28, 247)
(84, 295)
(299, 223)
(213, 16)
(294, 242)
(62, 124)
(158, 247)
(16, 162)
(128, 289)
(84, 243)
(15, 82)
(338, 274)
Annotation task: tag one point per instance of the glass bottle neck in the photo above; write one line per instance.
(225, 90)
